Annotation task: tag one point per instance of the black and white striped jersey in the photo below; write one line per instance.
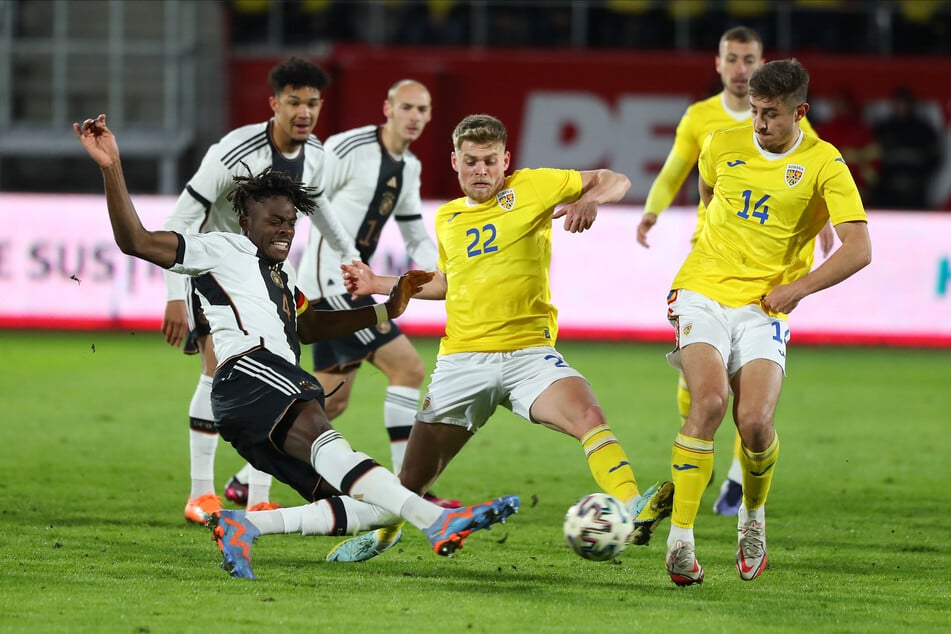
(248, 302)
(203, 205)
(366, 186)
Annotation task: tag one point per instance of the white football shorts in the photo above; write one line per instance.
(466, 387)
(739, 334)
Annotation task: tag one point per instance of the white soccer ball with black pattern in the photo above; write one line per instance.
(598, 526)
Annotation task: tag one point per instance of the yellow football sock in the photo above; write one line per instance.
(609, 464)
(683, 399)
(738, 447)
(691, 465)
(758, 474)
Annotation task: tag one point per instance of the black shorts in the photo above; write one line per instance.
(349, 351)
(251, 393)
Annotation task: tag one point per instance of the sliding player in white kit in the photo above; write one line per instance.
(370, 175)
(285, 144)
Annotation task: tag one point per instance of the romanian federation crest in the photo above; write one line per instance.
(794, 174)
(506, 199)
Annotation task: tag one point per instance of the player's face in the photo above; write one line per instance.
(776, 123)
(481, 169)
(270, 226)
(736, 62)
(295, 115)
(408, 113)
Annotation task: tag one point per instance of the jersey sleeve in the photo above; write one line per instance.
(198, 253)
(840, 194)
(707, 162)
(409, 219)
(556, 186)
(334, 169)
(330, 227)
(207, 184)
(681, 159)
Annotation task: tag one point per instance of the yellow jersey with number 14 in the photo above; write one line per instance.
(765, 208)
(496, 256)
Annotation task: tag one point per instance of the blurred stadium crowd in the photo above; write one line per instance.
(160, 68)
(834, 26)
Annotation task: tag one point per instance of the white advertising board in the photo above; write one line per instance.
(60, 268)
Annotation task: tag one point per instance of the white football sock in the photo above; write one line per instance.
(259, 486)
(356, 474)
(202, 444)
(399, 414)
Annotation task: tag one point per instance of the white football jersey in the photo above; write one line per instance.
(248, 302)
(366, 186)
(203, 206)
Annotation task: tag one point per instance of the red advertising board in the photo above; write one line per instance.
(575, 109)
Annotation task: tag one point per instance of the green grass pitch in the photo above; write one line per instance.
(94, 465)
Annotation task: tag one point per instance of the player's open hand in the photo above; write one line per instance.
(175, 322)
(98, 140)
(648, 220)
(578, 215)
(409, 284)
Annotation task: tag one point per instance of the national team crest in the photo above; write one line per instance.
(794, 174)
(506, 199)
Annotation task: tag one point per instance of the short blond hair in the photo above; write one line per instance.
(481, 129)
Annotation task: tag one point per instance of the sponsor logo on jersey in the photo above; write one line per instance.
(794, 174)
(506, 199)
(735, 163)
(308, 386)
(687, 329)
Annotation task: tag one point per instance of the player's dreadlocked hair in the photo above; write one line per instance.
(268, 184)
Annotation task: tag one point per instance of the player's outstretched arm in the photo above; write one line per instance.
(321, 325)
(360, 280)
(597, 188)
(159, 247)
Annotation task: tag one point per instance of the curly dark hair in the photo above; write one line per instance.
(297, 72)
(269, 184)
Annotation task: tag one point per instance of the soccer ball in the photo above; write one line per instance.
(598, 526)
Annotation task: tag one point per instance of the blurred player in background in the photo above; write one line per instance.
(740, 53)
(265, 404)
(283, 143)
(768, 190)
(501, 328)
(370, 175)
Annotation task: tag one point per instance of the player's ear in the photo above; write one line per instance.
(454, 161)
(801, 111)
(243, 223)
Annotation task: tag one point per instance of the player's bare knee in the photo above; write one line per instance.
(708, 406)
(336, 405)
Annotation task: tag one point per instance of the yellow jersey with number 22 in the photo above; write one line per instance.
(496, 256)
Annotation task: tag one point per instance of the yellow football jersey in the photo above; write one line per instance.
(765, 209)
(496, 257)
(698, 122)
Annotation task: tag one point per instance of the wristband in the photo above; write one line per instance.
(381, 314)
